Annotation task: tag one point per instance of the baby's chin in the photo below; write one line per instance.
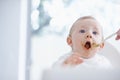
(86, 54)
(89, 51)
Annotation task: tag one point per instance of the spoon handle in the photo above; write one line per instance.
(110, 36)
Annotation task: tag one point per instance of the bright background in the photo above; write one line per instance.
(33, 32)
(51, 21)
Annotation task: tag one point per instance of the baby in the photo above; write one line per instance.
(83, 37)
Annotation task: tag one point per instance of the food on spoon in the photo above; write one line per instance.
(95, 45)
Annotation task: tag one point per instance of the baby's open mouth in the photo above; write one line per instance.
(87, 45)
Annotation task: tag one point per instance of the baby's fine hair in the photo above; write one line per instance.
(81, 18)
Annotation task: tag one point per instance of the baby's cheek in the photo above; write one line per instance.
(97, 49)
(78, 40)
(94, 51)
(98, 39)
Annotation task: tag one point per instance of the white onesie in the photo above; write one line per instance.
(96, 62)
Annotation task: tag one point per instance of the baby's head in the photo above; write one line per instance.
(85, 32)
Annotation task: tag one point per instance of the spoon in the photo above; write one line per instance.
(96, 45)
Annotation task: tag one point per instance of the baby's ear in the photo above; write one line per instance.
(69, 40)
(101, 45)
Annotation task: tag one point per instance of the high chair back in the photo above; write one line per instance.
(112, 54)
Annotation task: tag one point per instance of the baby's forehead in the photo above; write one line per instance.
(86, 23)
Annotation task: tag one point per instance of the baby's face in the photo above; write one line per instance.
(84, 34)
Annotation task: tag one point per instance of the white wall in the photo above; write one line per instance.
(10, 19)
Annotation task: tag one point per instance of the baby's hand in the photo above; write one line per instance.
(73, 60)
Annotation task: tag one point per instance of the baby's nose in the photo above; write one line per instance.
(88, 36)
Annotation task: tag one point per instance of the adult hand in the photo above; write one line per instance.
(118, 35)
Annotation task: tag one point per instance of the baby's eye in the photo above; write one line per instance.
(95, 32)
(82, 31)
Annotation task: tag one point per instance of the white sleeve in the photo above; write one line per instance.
(60, 61)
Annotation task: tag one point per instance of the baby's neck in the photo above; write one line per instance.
(82, 56)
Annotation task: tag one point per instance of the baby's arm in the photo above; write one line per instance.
(73, 60)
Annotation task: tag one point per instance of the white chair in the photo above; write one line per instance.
(88, 74)
(112, 54)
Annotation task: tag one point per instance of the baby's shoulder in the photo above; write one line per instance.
(103, 60)
(101, 57)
